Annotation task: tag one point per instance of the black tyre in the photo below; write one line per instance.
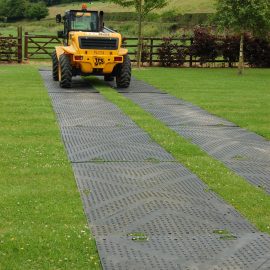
(55, 67)
(65, 71)
(123, 75)
(108, 78)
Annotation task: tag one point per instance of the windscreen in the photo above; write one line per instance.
(84, 21)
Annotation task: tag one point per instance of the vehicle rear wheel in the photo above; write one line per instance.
(123, 75)
(65, 71)
(55, 67)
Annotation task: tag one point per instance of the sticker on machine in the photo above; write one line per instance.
(99, 52)
(98, 61)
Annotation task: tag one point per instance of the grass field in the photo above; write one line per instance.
(42, 224)
(252, 202)
(97, 5)
(181, 6)
(128, 28)
(190, 6)
(49, 27)
(243, 100)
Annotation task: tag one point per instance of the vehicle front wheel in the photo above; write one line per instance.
(65, 71)
(123, 75)
(55, 67)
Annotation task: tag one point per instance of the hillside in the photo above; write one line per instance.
(126, 26)
(182, 6)
(190, 6)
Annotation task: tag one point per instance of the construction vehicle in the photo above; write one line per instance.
(89, 48)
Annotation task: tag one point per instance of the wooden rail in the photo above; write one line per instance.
(153, 45)
(42, 46)
(39, 46)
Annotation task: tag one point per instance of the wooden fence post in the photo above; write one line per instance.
(151, 51)
(41, 46)
(19, 30)
(190, 58)
(26, 46)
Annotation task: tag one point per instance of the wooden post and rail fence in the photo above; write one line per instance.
(41, 47)
(11, 48)
(29, 46)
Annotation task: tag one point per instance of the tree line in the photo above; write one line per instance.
(236, 16)
(11, 10)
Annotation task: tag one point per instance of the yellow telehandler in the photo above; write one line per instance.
(89, 48)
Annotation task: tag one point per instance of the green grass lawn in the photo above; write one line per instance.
(42, 224)
(252, 202)
(244, 100)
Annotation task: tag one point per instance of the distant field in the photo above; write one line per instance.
(127, 28)
(35, 27)
(106, 7)
(183, 6)
(190, 6)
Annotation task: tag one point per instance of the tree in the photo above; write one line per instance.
(36, 11)
(14, 9)
(243, 16)
(2, 7)
(142, 7)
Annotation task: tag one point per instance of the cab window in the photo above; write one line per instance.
(84, 21)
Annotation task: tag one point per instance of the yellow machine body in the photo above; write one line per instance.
(89, 61)
(89, 48)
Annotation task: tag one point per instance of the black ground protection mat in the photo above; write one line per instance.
(145, 210)
(244, 152)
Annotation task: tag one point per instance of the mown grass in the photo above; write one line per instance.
(42, 224)
(250, 201)
(244, 100)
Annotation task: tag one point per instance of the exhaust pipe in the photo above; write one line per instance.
(101, 21)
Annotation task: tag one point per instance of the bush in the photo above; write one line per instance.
(6, 48)
(36, 11)
(257, 52)
(145, 53)
(171, 53)
(181, 54)
(13, 9)
(205, 45)
(3, 19)
(230, 49)
(165, 53)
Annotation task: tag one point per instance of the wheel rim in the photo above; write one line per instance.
(59, 73)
